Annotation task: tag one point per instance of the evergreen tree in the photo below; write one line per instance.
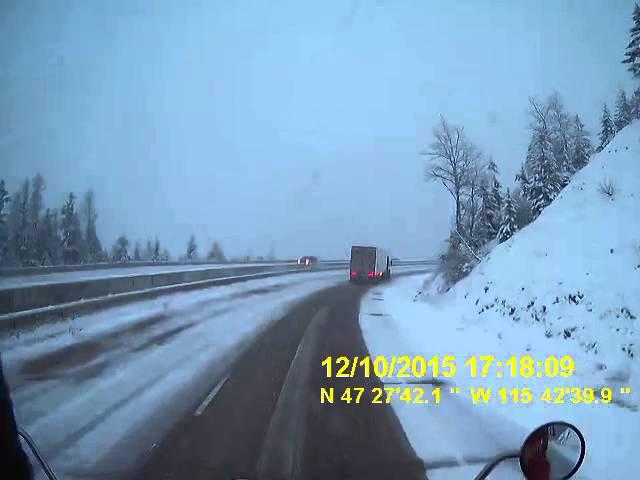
(216, 254)
(492, 167)
(13, 227)
(93, 246)
(497, 199)
(71, 232)
(607, 128)
(489, 220)
(632, 54)
(634, 105)
(491, 201)
(157, 253)
(523, 178)
(484, 221)
(581, 144)
(623, 111)
(120, 251)
(137, 255)
(4, 226)
(148, 250)
(36, 249)
(509, 225)
(524, 214)
(48, 238)
(544, 176)
(192, 248)
(18, 223)
(546, 182)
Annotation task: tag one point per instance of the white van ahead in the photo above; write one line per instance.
(369, 264)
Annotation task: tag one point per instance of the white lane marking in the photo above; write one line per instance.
(205, 403)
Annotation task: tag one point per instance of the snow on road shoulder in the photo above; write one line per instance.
(457, 437)
(566, 285)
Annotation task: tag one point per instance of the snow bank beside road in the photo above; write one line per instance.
(568, 284)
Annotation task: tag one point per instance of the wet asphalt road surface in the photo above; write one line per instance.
(264, 418)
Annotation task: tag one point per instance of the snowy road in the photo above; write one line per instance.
(101, 394)
(264, 418)
(110, 391)
(98, 391)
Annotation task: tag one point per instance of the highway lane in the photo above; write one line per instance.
(99, 393)
(263, 417)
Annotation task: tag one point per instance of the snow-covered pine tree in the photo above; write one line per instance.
(544, 176)
(489, 218)
(4, 227)
(634, 105)
(546, 182)
(492, 167)
(192, 248)
(523, 178)
(484, 216)
(581, 145)
(71, 233)
(509, 225)
(18, 223)
(49, 239)
(496, 193)
(157, 253)
(36, 249)
(491, 202)
(524, 215)
(607, 128)
(93, 247)
(622, 116)
(632, 54)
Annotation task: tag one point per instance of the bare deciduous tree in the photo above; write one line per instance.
(451, 157)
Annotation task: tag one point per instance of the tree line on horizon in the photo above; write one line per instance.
(32, 234)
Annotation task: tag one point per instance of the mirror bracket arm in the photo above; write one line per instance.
(499, 459)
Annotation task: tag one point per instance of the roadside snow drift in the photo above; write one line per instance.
(568, 284)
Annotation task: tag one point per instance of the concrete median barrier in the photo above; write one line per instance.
(34, 302)
(31, 297)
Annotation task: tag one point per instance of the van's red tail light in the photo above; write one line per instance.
(354, 274)
(372, 274)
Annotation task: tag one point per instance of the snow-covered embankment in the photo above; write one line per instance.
(568, 284)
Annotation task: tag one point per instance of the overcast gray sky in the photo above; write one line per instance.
(292, 124)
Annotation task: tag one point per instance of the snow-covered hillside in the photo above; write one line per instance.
(567, 284)
(573, 274)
